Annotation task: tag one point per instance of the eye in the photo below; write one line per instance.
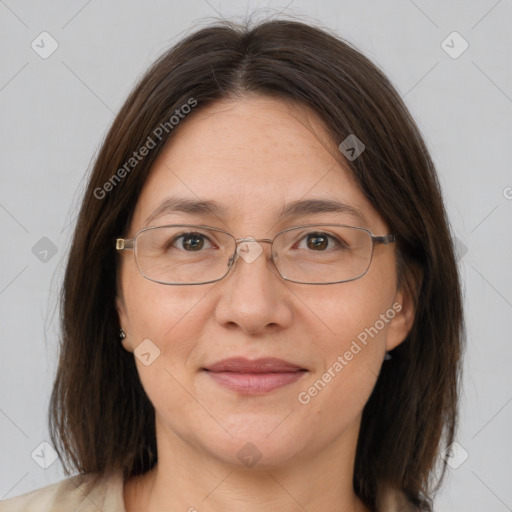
(319, 241)
(191, 242)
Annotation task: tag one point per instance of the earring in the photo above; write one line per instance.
(122, 334)
(388, 356)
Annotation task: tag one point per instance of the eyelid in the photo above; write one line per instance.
(191, 231)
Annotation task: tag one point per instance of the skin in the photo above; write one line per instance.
(254, 155)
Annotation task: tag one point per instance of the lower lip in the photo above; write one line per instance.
(255, 383)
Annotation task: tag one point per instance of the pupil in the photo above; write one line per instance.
(319, 241)
(191, 245)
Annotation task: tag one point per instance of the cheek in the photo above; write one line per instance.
(352, 319)
(168, 316)
(338, 390)
(164, 314)
(343, 311)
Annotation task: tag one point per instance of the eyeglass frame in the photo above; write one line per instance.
(123, 244)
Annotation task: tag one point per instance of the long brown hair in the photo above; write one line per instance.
(100, 417)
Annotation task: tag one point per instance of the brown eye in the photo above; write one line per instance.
(189, 242)
(317, 241)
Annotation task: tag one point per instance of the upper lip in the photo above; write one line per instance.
(262, 365)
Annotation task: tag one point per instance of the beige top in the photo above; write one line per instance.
(88, 493)
(79, 493)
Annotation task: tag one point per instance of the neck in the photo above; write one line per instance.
(186, 479)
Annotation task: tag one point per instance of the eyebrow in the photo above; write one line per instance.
(189, 206)
(297, 208)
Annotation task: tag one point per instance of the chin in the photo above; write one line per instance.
(264, 444)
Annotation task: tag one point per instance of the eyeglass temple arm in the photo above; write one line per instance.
(124, 244)
(385, 239)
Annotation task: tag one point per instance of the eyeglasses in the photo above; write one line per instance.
(188, 254)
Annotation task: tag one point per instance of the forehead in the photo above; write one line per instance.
(253, 156)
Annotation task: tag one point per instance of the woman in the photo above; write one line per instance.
(261, 308)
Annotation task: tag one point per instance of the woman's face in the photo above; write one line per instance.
(253, 157)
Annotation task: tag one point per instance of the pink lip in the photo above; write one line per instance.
(254, 377)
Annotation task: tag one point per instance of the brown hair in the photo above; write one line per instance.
(100, 417)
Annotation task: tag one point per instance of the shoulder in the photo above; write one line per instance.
(84, 492)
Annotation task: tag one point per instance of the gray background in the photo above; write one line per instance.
(56, 111)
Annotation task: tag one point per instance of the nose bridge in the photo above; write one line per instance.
(248, 254)
(253, 299)
(251, 239)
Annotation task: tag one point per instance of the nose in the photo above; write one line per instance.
(253, 295)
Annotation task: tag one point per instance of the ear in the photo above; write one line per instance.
(404, 305)
(123, 322)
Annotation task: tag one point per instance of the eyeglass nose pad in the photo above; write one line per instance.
(232, 260)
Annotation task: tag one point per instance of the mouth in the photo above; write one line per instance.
(254, 377)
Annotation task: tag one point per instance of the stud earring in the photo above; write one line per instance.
(122, 334)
